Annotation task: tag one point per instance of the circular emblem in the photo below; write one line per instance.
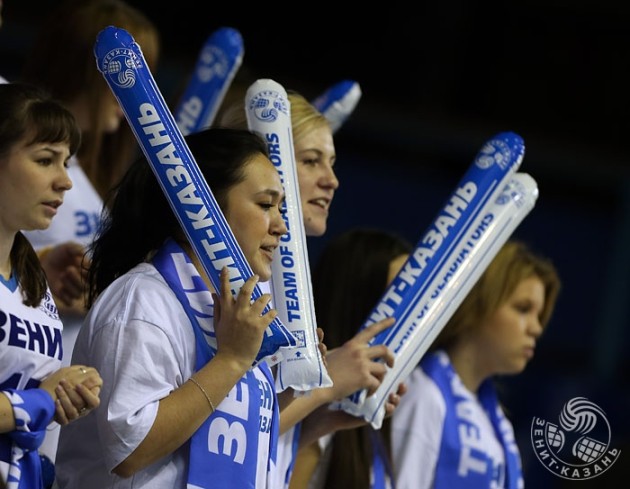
(493, 152)
(212, 63)
(120, 65)
(268, 105)
(578, 446)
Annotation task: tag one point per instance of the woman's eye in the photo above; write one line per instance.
(310, 161)
(523, 308)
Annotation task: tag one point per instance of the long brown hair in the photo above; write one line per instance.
(349, 278)
(62, 61)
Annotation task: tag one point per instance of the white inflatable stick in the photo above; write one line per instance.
(269, 114)
(429, 313)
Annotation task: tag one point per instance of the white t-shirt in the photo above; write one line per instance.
(140, 339)
(417, 425)
(30, 342)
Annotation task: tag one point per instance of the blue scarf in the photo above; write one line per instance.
(438, 367)
(224, 450)
(33, 410)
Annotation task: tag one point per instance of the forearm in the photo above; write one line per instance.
(300, 407)
(182, 412)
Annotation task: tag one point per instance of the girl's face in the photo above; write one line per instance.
(508, 338)
(254, 214)
(32, 186)
(315, 158)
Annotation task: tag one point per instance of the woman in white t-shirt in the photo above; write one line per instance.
(37, 136)
(174, 415)
(61, 60)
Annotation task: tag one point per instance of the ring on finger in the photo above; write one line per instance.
(83, 370)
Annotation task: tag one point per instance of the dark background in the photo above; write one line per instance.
(438, 80)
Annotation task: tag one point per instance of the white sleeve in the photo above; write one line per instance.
(417, 425)
(143, 354)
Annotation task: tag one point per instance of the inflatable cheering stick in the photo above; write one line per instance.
(490, 230)
(338, 102)
(268, 114)
(219, 60)
(407, 296)
(120, 60)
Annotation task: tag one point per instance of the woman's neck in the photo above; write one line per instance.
(468, 364)
(6, 244)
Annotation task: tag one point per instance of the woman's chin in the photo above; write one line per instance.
(264, 273)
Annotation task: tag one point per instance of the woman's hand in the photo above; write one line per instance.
(355, 365)
(240, 323)
(75, 390)
(66, 268)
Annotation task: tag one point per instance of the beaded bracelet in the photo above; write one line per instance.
(203, 391)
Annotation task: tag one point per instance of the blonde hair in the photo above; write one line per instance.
(513, 263)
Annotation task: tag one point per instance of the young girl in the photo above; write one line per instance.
(37, 137)
(449, 430)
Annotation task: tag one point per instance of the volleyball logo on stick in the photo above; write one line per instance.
(214, 63)
(578, 446)
(120, 65)
(267, 105)
(494, 152)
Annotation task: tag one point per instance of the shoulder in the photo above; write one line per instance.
(138, 308)
(141, 293)
(417, 425)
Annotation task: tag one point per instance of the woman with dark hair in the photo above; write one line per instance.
(349, 278)
(183, 405)
(37, 137)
